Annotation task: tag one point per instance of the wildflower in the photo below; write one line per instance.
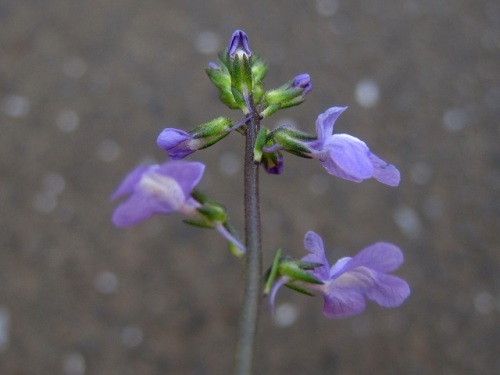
(157, 189)
(168, 188)
(348, 157)
(350, 281)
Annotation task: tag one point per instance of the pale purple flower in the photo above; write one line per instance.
(163, 189)
(238, 44)
(348, 157)
(350, 281)
(157, 189)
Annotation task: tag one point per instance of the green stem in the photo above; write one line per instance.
(253, 259)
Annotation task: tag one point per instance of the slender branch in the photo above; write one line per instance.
(253, 259)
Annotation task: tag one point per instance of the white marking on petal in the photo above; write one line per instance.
(164, 188)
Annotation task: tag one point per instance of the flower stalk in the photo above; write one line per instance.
(253, 260)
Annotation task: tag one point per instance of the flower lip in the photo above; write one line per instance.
(238, 44)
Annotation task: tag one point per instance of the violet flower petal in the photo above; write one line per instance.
(388, 290)
(381, 257)
(302, 81)
(137, 208)
(343, 302)
(326, 121)
(314, 244)
(274, 290)
(158, 189)
(186, 174)
(228, 236)
(174, 142)
(345, 293)
(384, 172)
(238, 44)
(128, 184)
(347, 158)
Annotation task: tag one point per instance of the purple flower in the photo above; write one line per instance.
(238, 45)
(157, 189)
(348, 157)
(164, 189)
(177, 143)
(350, 281)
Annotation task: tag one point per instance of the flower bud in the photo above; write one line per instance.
(239, 64)
(220, 77)
(272, 162)
(288, 95)
(238, 45)
(178, 144)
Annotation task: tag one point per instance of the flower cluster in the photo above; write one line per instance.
(239, 73)
(170, 187)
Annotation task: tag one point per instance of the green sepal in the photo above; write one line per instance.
(218, 126)
(247, 79)
(259, 68)
(282, 94)
(268, 111)
(221, 79)
(272, 272)
(299, 289)
(210, 209)
(224, 57)
(236, 74)
(282, 97)
(291, 132)
(241, 80)
(201, 223)
(213, 213)
(200, 197)
(232, 247)
(308, 266)
(260, 142)
(258, 93)
(235, 250)
(241, 73)
(291, 268)
(291, 140)
(240, 100)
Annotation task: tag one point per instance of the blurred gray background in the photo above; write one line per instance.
(86, 86)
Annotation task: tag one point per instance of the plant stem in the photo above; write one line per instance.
(253, 259)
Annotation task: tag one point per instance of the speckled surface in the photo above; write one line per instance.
(85, 87)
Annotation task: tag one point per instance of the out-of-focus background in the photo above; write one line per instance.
(86, 86)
